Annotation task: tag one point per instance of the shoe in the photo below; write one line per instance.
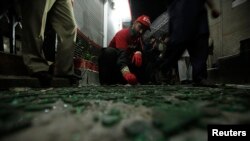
(186, 82)
(205, 83)
(73, 79)
(44, 78)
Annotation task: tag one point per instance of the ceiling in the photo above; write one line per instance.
(151, 8)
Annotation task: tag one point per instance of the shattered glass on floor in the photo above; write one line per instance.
(112, 113)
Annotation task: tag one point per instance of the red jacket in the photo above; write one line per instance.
(126, 45)
(124, 40)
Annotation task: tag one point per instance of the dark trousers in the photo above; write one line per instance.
(49, 44)
(198, 51)
(150, 63)
(1, 42)
(109, 73)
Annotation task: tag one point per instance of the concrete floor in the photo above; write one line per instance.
(124, 113)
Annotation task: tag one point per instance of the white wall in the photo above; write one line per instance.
(101, 19)
(89, 18)
(116, 14)
(230, 28)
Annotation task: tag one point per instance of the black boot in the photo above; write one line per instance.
(73, 79)
(204, 83)
(44, 78)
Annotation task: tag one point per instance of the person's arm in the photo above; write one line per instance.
(122, 63)
(123, 59)
(214, 11)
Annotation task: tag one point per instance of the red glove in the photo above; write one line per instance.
(130, 78)
(137, 59)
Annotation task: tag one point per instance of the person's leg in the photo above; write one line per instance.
(189, 69)
(63, 21)
(182, 69)
(1, 42)
(109, 74)
(171, 57)
(198, 57)
(49, 43)
(34, 14)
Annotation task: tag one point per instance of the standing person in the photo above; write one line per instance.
(163, 44)
(61, 16)
(189, 30)
(151, 54)
(185, 68)
(122, 62)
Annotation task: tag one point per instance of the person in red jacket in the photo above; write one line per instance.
(121, 62)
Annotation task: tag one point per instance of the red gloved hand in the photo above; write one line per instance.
(130, 78)
(137, 59)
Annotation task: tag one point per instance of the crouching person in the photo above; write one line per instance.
(121, 62)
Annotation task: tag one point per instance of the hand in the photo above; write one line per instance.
(130, 78)
(137, 59)
(215, 13)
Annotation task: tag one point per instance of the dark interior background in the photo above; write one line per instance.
(151, 8)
